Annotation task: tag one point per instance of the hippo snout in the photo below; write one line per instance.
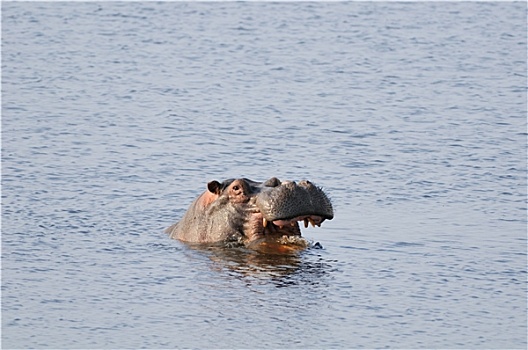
(290, 201)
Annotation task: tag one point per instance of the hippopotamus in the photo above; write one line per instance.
(252, 213)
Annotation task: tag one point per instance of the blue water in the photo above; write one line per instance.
(412, 116)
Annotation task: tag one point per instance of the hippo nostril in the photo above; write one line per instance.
(273, 182)
(289, 184)
(305, 183)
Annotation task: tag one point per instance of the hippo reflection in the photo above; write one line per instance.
(281, 270)
(259, 215)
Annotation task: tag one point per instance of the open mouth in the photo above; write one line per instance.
(273, 228)
(314, 220)
(278, 236)
(258, 227)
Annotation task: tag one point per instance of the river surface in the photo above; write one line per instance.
(411, 116)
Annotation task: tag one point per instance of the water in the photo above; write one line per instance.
(412, 116)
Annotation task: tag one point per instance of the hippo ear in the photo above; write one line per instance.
(214, 187)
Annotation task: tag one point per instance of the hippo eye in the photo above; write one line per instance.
(236, 188)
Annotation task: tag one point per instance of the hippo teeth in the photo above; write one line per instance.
(311, 219)
(264, 222)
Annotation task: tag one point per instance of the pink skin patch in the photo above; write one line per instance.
(207, 198)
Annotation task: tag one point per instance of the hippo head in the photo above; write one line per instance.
(253, 213)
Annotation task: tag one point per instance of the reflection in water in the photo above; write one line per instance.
(293, 268)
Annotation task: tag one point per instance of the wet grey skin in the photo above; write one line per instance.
(246, 211)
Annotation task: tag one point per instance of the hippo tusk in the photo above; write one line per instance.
(311, 222)
(305, 222)
(264, 222)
